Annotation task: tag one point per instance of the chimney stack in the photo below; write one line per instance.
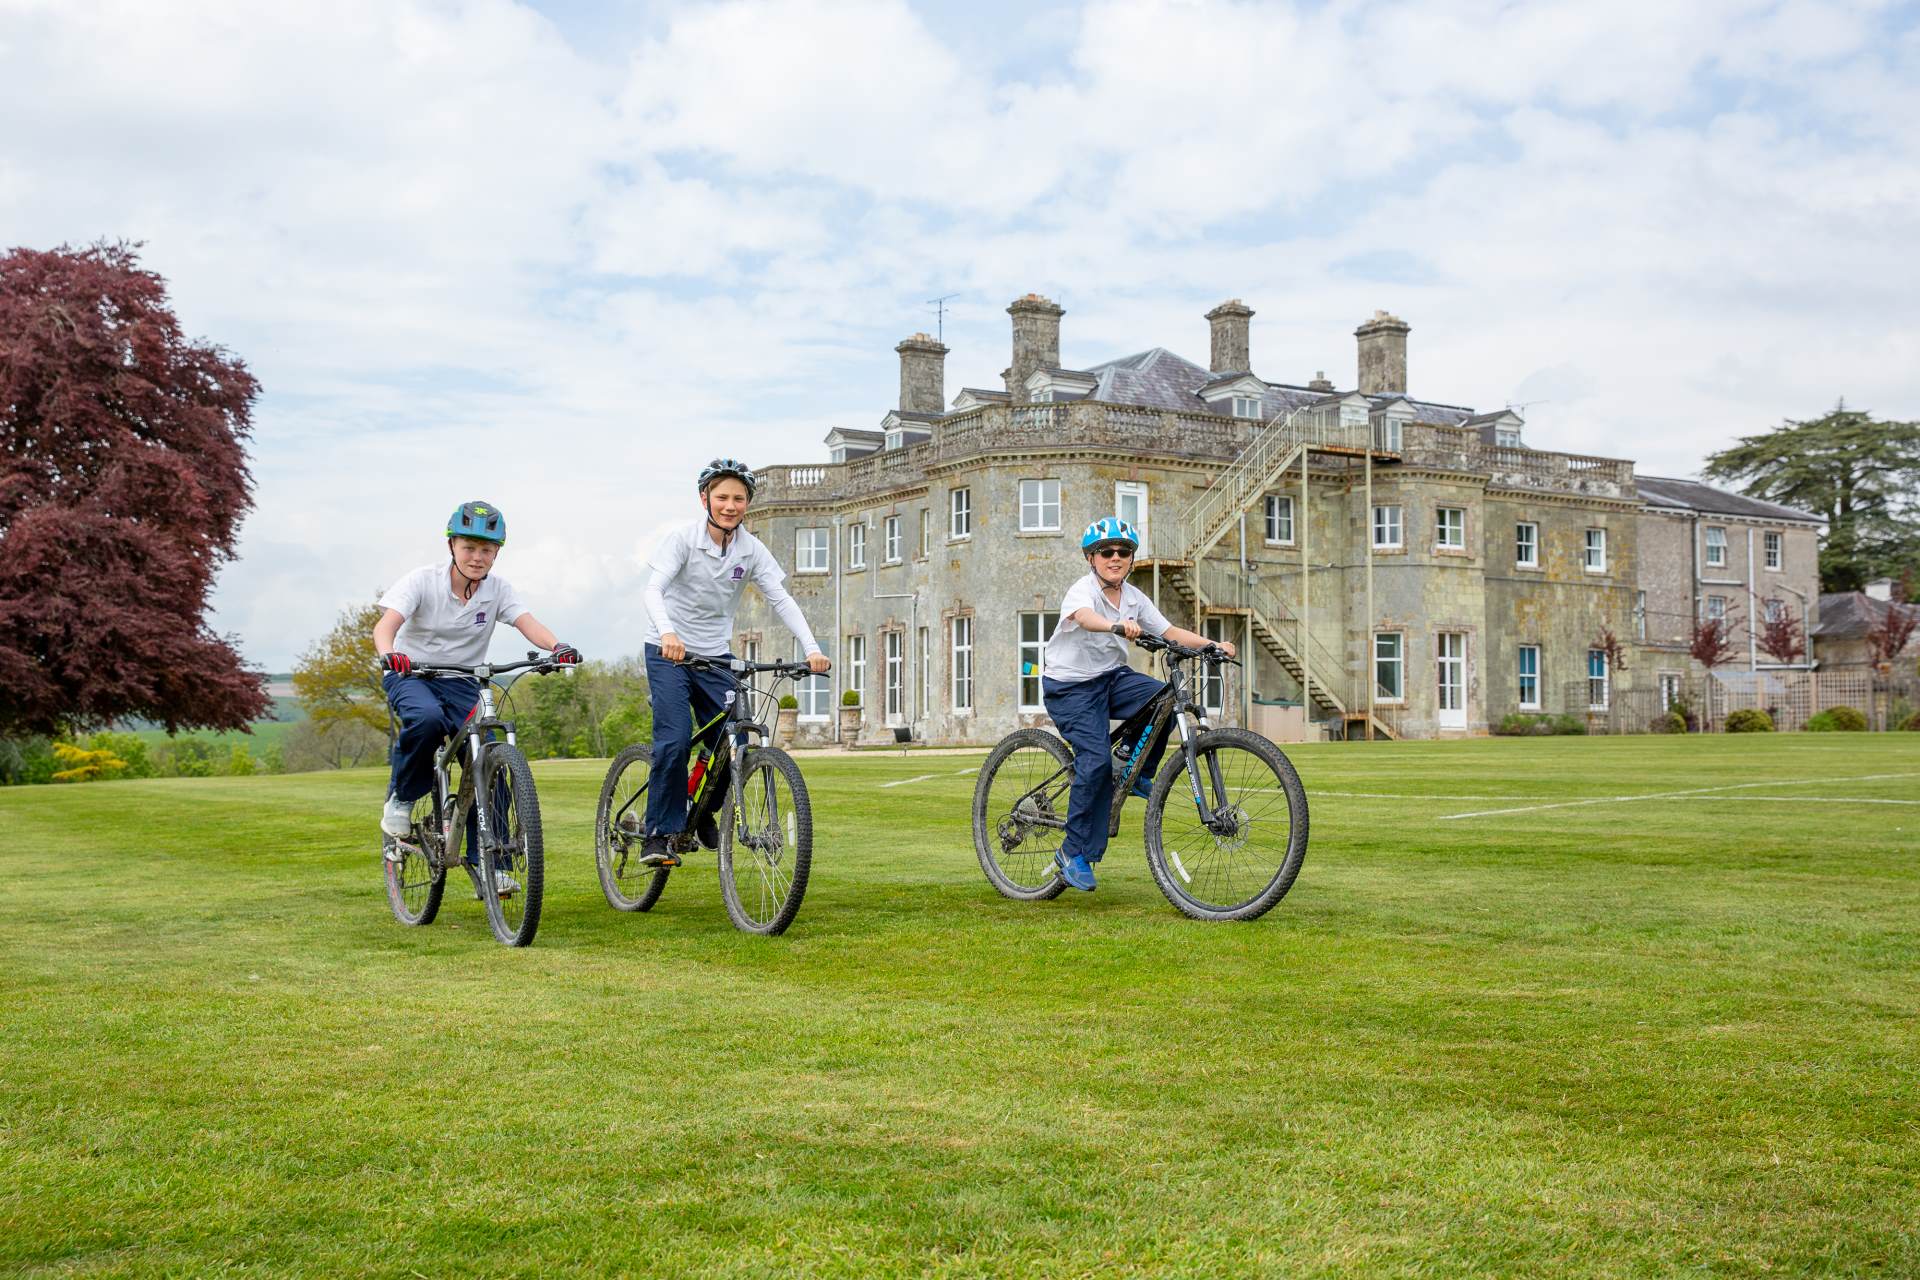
(923, 375)
(1319, 382)
(1036, 341)
(1383, 355)
(1229, 321)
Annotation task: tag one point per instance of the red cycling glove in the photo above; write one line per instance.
(398, 663)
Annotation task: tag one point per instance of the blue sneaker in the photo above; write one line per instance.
(1143, 786)
(1075, 871)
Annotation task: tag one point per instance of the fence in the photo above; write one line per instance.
(1789, 697)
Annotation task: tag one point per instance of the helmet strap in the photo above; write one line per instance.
(726, 534)
(472, 584)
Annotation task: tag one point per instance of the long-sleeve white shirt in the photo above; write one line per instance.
(695, 589)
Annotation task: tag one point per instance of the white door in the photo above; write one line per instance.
(1451, 649)
(1130, 504)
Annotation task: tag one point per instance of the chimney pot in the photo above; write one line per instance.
(1320, 382)
(1229, 323)
(1383, 354)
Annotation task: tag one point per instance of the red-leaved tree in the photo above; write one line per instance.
(1780, 636)
(123, 479)
(1712, 644)
(1887, 639)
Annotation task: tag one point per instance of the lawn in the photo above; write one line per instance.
(1678, 1034)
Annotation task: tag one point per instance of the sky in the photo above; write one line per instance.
(557, 255)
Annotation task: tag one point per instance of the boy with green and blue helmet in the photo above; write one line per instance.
(1088, 684)
(699, 572)
(444, 615)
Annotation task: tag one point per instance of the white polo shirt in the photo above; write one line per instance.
(1075, 653)
(440, 627)
(695, 589)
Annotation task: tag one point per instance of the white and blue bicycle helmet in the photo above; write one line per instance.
(720, 467)
(1110, 530)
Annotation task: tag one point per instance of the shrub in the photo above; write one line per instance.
(789, 703)
(1518, 724)
(1837, 720)
(1749, 720)
(851, 698)
(1671, 722)
(1911, 724)
(1569, 724)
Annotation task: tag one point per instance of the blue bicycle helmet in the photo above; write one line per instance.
(481, 520)
(1109, 529)
(720, 467)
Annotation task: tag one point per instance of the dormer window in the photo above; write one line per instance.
(895, 438)
(1246, 407)
(1507, 437)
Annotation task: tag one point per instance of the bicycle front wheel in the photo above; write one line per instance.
(1243, 861)
(619, 830)
(1020, 814)
(414, 883)
(766, 843)
(512, 860)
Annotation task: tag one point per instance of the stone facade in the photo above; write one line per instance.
(1230, 344)
(1406, 559)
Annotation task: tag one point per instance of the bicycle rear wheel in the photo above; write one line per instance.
(1238, 867)
(619, 829)
(414, 883)
(511, 847)
(1020, 814)
(766, 846)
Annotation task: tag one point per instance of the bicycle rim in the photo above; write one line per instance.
(1246, 860)
(766, 843)
(1019, 812)
(414, 884)
(512, 847)
(619, 833)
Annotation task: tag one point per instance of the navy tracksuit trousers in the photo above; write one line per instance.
(429, 711)
(1083, 712)
(682, 697)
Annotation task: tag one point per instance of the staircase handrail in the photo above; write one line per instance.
(1306, 427)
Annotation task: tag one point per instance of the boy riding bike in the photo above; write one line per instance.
(1088, 683)
(699, 572)
(445, 615)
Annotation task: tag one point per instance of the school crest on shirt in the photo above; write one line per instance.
(739, 572)
(479, 617)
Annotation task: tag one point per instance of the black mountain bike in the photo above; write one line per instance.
(1231, 856)
(747, 803)
(511, 865)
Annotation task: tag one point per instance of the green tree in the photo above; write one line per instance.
(1861, 474)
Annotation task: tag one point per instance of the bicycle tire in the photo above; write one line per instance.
(415, 885)
(1017, 871)
(1225, 882)
(778, 842)
(626, 885)
(513, 844)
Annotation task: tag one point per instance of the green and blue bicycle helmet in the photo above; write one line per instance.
(1110, 530)
(480, 520)
(721, 467)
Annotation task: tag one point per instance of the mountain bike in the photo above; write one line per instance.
(747, 803)
(509, 867)
(1232, 857)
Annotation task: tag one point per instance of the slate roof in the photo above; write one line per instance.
(1849, 615)
(1157, 378)
(855, 435)
(982, 393)
(1691, 495)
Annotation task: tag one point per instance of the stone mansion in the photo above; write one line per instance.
(1395, 566)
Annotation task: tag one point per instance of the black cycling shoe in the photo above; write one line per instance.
(658, 852)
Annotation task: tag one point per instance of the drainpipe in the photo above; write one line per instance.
(1753, 645)
(833, 689)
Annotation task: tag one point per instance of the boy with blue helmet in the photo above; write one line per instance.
(699, 572)
(1088, 684)
(444, 614)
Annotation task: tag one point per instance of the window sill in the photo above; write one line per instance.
(1601, 572)
(1529, 706)
(888, 563)
(1269, 542)
(856, 568)
(1389, 702)
(1529, 568)
(959, 537)
(1461, 552)
(1038, 533)
(1395, 550)
(811, 573)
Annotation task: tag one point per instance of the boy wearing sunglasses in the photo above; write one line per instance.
(1088, 684)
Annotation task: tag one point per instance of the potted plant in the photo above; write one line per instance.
(849, 717)
(787, 723)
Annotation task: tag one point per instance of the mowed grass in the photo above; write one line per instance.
(1673, 1035)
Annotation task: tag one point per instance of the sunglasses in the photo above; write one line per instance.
(1115, 553)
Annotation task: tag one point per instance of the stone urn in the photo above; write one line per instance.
(785, 725)
(849, 725)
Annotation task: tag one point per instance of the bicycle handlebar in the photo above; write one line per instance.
(1180, 652)
(740, 666)
(431, 671)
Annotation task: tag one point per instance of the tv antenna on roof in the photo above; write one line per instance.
(940, 310)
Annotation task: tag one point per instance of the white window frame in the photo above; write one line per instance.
(1773, 609)
(1397, 661)
(857, 666)
(1033, 652)
(1774, 546)
(1137, 489)
(812, 691)
(1716, 536)
(894, 655)
(1246, 407)
(1443, 527)
(1277, 520)
(925, 658)
(1716, 607)
(1389, 518)
(1529, 674)
(857, 545)
(813, 549)
(926, 531)
(959, 513)
(1526, 545)
(961, 686)
(1386, 435)
(1035, 504)
(890, 539)
(1595, 543)
(1600, 683)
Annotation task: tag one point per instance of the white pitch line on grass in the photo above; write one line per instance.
(961, 773)
(1670, 795)
(901, 782)
(1801, 799)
